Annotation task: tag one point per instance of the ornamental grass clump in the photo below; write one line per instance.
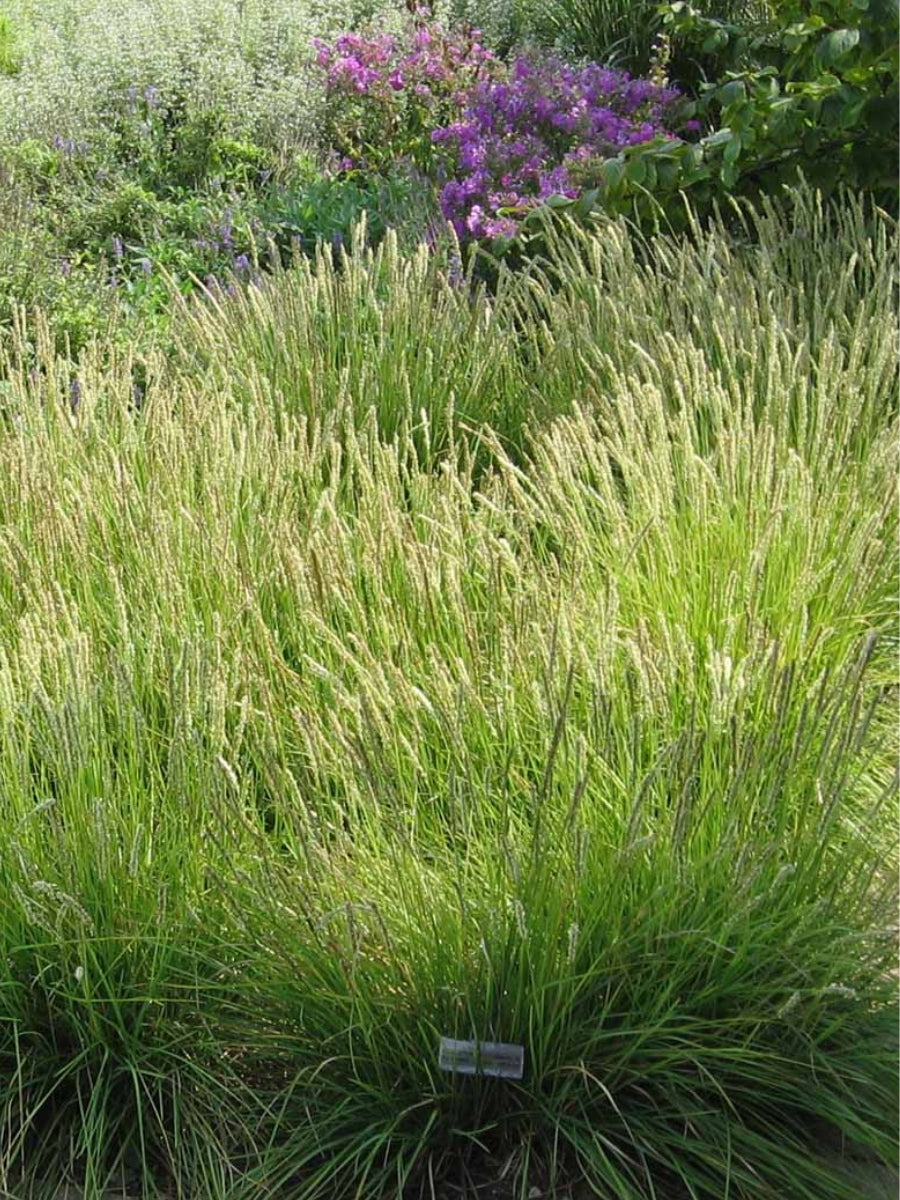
(375, 335)
(315, 749)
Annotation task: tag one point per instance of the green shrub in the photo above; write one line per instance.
(172, 146)
(36, 275)
(812, 94)
(326, 210)
(163, 195)
(10, 51)
(620, 31)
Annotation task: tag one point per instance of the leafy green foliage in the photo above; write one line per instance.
(815, 93)
(621, 32)
(10, 49)
(173, 146)
(163, 196)
(327, 209)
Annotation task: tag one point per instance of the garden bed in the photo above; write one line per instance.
(448, 590)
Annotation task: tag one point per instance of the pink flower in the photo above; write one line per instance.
(323, 52)
(501, 227)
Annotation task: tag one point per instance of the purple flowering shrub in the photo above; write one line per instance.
(496, 140)
(539, 133)
(385, 95)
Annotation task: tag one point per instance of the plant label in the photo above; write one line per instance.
(501, 1059)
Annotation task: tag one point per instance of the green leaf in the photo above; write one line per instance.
(733, 149)
(811, 141)
(732, 92)
(612, 171)
(693, 157)
(668, 174)
(714, 42)
(837, 44)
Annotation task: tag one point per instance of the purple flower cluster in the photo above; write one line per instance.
(386, 95)
(521, 138)
(356, 63)
(428, 62)
(497, 140)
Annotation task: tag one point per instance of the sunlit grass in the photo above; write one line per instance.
(328, 727)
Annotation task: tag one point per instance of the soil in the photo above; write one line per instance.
(873, 1182)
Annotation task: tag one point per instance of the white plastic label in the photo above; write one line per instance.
(501, 1059)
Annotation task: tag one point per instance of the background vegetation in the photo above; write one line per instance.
(147, 146)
